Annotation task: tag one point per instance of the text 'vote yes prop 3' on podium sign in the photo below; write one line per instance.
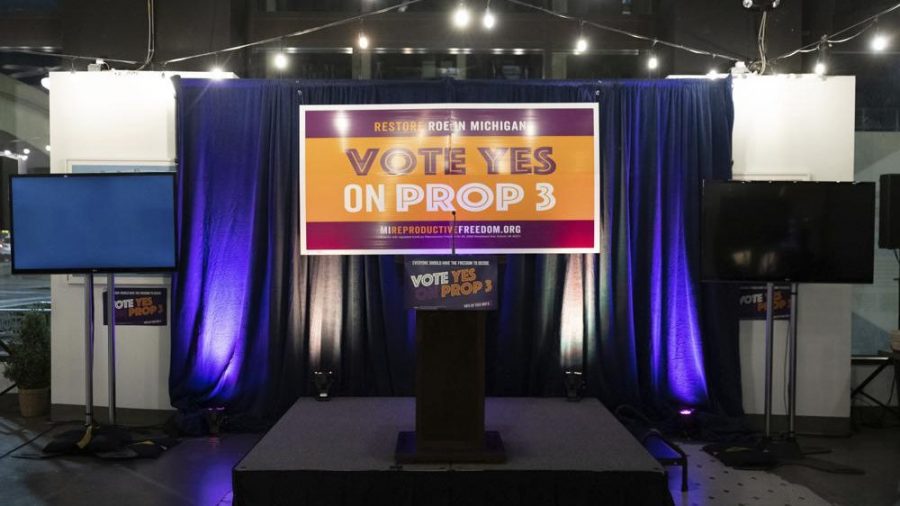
(752, 303)
(139, 306)
(386, 179)
(453, 283)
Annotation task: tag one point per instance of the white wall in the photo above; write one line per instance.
(109, 116)
(802, 126)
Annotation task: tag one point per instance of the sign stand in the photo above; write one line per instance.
(89, 349)
(111, 346)
(449, 392)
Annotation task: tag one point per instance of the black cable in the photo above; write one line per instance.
(68, 56)
(53, 425)
(298, 33)
(625, 32)
(813, 46)
(151, 35)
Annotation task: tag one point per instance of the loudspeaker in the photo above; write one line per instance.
(889, 211)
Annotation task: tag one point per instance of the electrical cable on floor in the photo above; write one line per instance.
(53, 425)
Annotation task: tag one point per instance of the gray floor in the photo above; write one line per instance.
(591, 438)
(198, 471)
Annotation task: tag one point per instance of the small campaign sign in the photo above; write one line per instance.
(459, 282)
(752, 303)
(139, 306)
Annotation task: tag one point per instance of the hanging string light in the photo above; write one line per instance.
(581, 44)
(280, 60)
(488, 20)
(217, 71)
(821, 67)
(879, 41)
(652, 60)
(713, 69)
(362, 41)
(461, 16)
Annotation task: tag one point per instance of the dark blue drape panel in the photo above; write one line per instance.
(252, 318)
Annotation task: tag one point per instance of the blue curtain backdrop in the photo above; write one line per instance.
(252, 318)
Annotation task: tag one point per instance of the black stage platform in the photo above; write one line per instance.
(341, 452)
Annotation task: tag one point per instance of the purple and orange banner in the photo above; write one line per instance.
(433, 178)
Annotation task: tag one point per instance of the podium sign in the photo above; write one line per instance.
(451, 282)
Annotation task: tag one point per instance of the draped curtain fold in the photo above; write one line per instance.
(252, 318)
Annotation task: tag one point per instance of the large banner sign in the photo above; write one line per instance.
(451, 282)
(477, 178)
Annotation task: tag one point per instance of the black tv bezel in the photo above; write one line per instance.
(720, 279)
(103, 268)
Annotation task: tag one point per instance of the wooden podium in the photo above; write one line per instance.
(449, 392)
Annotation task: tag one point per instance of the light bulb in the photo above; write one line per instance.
(879, 43)
(820, 69)
(581, 45)
(652, 62)
(45, 82)
(488, 20)
(47, 147)
(461, 16)
(363, 41)
(26, 151)
(280, 61)
(217, 73)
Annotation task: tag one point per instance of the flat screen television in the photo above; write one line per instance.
(77, 223)
(804, 232)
